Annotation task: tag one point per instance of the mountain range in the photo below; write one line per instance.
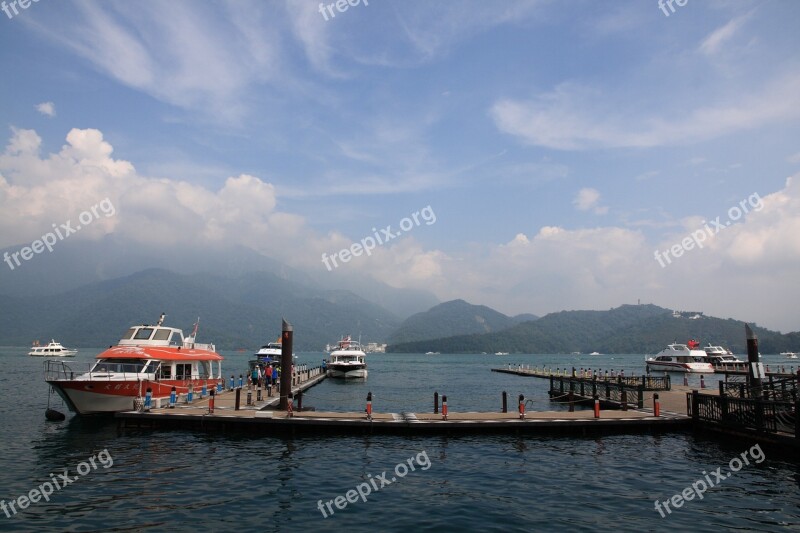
(625, 329)
(241, 309)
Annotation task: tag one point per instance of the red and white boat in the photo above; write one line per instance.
(681, 358)
(155, 357)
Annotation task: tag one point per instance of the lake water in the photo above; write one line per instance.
(181, 481)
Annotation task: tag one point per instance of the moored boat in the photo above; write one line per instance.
(347, 360)
(155, 358)
(51, 349)
(789, 355)
(681, 358)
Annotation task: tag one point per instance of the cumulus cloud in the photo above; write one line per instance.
(47, 108)
(587, 199)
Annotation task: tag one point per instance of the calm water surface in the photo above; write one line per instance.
(181, 481)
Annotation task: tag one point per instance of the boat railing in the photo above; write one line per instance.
(60, 371)
(200, 346)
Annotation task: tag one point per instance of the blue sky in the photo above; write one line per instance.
(560, 144)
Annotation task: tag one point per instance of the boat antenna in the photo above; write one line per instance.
(161, 319)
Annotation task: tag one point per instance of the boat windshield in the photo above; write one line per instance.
(119, 366)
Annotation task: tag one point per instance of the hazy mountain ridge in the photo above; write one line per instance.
(455, 317)
(624, 329)
(237, 312)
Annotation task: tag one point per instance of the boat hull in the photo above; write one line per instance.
(97, 397)
(347, 373)
(700, 368)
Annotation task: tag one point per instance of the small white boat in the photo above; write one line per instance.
(595, 353)
(789, 355)
(681, 358)
(431, 353)
(501, 353)
(348, 360)
(52, 349)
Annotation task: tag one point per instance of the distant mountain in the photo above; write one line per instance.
(456, 317)
(625, 329)
(241, 311)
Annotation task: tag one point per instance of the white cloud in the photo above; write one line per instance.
(587, 199)
(47, 109)
(712, 44)
(574, 117)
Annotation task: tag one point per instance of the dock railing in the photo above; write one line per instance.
(771, 416)
(623, 391)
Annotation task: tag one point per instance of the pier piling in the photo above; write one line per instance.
(436, 403)
(505, 402)
(286, 364)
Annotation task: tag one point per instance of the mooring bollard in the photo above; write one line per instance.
(211, 403)
(219, 385)
(521, 406)
(571, 400)
(436, 403)
(258, 393)
(238, 399)
(249, 397)
(148, 397)
(173, 397)
(505, 402)
(702, 382)
(190, 394)
(241, 381)
(596, 406)
(204, 390)
(369, 406)
(444, 407)
(656, 405)
(233, 382)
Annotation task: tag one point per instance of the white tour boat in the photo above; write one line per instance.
(681, 358)
(155, 358)
(347, 360)
(789, 355)
(52, 349)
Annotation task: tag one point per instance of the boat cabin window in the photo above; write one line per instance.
(162, 334)
(119, 365)
(176, 338)
(129, 334)
(183, 371)
(203, 369)
(153, 367)
(166, 372)
(143, 334)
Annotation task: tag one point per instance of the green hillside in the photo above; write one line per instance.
(625, 329)
(456, 317)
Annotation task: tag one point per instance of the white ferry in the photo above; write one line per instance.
(52, 349)
(681, 358)
(347, 360)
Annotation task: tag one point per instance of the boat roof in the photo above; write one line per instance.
(160, 353)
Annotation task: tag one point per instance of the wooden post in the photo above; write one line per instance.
(505, 402)
(238, 398)
(624, 399)
(571, 399)
(695, 407)
(436, 403)
(300, 400)
(754, 368)
(287, 336)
